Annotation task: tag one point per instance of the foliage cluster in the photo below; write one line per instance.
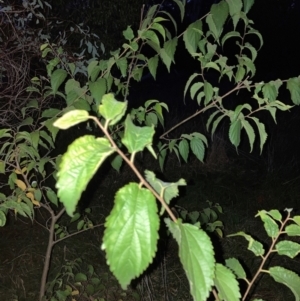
(94, 93)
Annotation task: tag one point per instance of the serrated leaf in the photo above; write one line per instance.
(250, 132)
(217, 17)
(57, 78)
(293, 85)
(137, 138)
(188, 83)
(166, 190)
(198, 148)
(122, 65)
(98, 89)
(288, 278)
(116, 162)
(2, 219)
(288, 248)
(192, 36)
(292, 230)
(159, 28)
(77, 167)
(230, 34)
(208, 92)
(270, 225)
(71, 118)
(52, 197)
(235, 7)
(166, 59)
(235, 132)
(262, 132)
(50, 113)
(247, 5)
(296, 219)
(195, 89)
(128, 33)
(236, 267)
(131, 234)
(152, 65)
(258, 34)
(111, 109)
(91, 67)
(253, 245)
(216, 123)
(184, 149)
(181, 8)
(226, 284)
(79, 277)
(196, 255)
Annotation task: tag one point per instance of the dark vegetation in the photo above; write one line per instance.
(242, 183)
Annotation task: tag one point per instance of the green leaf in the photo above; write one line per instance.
(253, 246)
(230, 34)
(235, 132)
(92, 67)
(188, 83)
(216, 123)
(211, 118)
(198, 148)
(217, 17)
(250, 132)
(170, 47)
(166, 190)
(236, 267)
(131, 234)
(270, 225)
(50, 113)
(52, 197)
(122, 65)
(208, 92)
(77, 167)
(262, 132)
(2, 167)
(293, 85)
(184, 149)
(160, 29)
(152, 65)
(196, 255)
(116, 162)
(2, 218)
(275, 214)
(151, 119)
(98, 89)
(192, 37)
(166, 59)
(226, 284)
(79, 277)
(292, 230)
(288, 278)
(270, 91)
(181, 8)
(296, 219)
(137, 138)
(195, 89)
(128, 33)
(111, 109)
(71, 118)
(247, 5)
(235, 7)
(288, 248)
(258, 34)
(162, 157)
(57, 78)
